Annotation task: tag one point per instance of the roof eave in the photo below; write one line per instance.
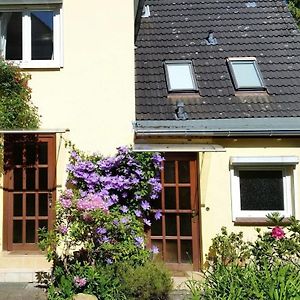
(255, 127)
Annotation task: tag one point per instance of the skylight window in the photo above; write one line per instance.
(180, 76)
(245, 73)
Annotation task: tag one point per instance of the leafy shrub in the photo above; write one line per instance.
(100, 225)
(146, 282)
(267, 269)
(16, 108)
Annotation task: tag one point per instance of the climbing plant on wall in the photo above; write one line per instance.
(16, 108)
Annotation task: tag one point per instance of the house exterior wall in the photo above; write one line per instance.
(92, 95)
(215, 185)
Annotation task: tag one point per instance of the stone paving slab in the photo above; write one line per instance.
(21, 291)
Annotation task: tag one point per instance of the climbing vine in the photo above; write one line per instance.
(16, 108)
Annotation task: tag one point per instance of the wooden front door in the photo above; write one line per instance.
(177, 233)
(29, 191)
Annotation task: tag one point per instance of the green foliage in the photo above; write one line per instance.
(16, 108)
(228, 248)
(150, 281)
(267, 269)
(294, 7)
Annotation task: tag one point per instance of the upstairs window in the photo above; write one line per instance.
(245, 73)
(30, 37)
(180, 76)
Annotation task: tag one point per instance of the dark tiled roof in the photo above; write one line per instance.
(177, 30)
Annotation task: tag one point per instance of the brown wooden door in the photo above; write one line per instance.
(177, 233)
(30, 185)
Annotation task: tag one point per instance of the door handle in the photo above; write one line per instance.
(194, 213)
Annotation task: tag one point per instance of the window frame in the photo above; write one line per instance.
(192, 74)
(232, 60)
(284, 164)
(26, 61)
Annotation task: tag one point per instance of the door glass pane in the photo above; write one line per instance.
(30, 179)
(171, 251)
(13, 21)
(185, 198)
(170, 198)
(43, 178)
(18, 179)
(30, 204)
(18, 205)
(184, 171)
(185, 225)
(42, 35)
(43, 224)
(169, 168)
(261, 190)
(156, 203)
(159, 245)
(30, 154)
(156, 227)
(171, 229)
(43, 153)
(18, 154)
(186, 251)
(30, 231)
(43, 204)
(17, 231)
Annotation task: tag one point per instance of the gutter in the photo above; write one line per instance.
(256, 127)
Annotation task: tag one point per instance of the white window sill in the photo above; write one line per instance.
(38, 64)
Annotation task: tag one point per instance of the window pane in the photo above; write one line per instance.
(11, 35)
(246, 74)
(43, 178)
(43, 153)
(261, 190)
(156, 227)
(42, 35)
(171, 228)
(43, 204)
(184, 198)
(17, 228)
(184, 171)
(171, 251)
(30, 153)
(30, 179)
(18, 154)
(43, 224)
(186, 225)
(169, 168)
(18, 205)
(30, 204)
(30, 231)
(186, 252)
(170, 198)
(180, 77)
(18, 179)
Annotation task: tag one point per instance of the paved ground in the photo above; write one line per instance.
(20, 291)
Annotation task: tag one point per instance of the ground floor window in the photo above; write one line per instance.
(29, 189)
(176, 234)
(261, 185)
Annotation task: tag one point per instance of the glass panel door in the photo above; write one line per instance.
(30, 189)
(177, 233)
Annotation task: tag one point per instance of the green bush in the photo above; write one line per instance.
(148, 282)
(267, 269)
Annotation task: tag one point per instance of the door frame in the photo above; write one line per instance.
(194, 184)
(8, 192)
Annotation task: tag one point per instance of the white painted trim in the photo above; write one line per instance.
(178, 147)
(289, 191)
(26, 61)
(264, 160)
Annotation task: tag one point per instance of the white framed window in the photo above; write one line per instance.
(262, 185)
(31, 36)
(245, 73)
(180, 76)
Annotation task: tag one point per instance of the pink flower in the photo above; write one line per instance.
(79, 282)
(278, 233)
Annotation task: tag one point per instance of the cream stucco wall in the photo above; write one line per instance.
(215, 182)
(93, 93)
